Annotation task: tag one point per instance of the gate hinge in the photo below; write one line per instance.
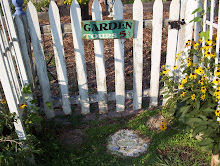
(176, 24)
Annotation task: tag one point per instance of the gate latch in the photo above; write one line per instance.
(176, 24)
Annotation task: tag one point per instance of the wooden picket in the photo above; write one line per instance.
(35, 34)
(176, 41)
(100, 62)
(172, 35)
(137, 54)
(119, 61)
(59, 55)
(75, 15)
(156, 51)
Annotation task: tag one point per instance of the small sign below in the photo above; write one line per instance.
(108, 29)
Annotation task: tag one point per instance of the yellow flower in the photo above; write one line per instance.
(181, 86)
(163, 122)
(163, 66)
(185, 80)
(193, 97)
(189, 64)
(203, 89)
(213, 55)
(3, 101)
(217, 93)
(199, 70)
(200, 40)
(217, 112)
(216, 81)
(165, 71)
(193, 76)
(217, 73)
(188, 43)
(163, 127)
(202, 97)
(209, 42)
(207, 47)
(178, 55)
(208, 54)
(174, 67)
(201, 82)
(183, 94)
(22, 106)
(196, 46)
(204, 78)
(188, 59)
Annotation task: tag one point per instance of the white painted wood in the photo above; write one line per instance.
(39, 57)
(188, 26)
(137, 54)
(11, 101)
(59, 55)
(11, 71)
(197, 25)
(204, 18)
(181, 33)
(75, 15)
(172, 35)
(14, 40)
(23, 44)
(7, 49)
(75, 99)
(156, 51)
(218, 40)
(100, 62)
(212, 13)
(119, 61)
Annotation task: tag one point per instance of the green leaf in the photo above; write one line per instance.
(196, 19)
(197, 10)
(49, 104)
(185, 108)
(166, 96)
(208, 110)
(199, 129)
(205, 142)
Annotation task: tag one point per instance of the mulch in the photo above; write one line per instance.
(109, 56)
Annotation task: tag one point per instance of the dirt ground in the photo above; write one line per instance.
(109, 56)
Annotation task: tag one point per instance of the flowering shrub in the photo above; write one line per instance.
(13, 151)
(81, 2)
(193, 99)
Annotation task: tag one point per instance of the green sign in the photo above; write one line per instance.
(108, 29)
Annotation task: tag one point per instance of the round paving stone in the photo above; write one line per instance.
(126, 143)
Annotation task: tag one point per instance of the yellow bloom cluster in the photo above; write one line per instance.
(84, 2)
(3, 101)
(163, 126)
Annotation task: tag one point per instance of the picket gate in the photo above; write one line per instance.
(175, 43)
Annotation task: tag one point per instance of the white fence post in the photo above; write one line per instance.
(119, 61)
(100, 62)
(156, 51)
(35, 33)
(172, 35)
(11, 101)
(59, 55)
(75, 14)
(137, 54)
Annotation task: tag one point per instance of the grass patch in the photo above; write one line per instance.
(174, 146)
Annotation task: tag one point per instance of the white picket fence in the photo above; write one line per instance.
(175, 43)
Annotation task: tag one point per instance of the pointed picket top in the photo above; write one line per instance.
(75, 15)
(156, 51)
(96, 10)
(32, 12)
(118, 10)
(59, 55)
(174, 10)
(137, 54)
(35, 34)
